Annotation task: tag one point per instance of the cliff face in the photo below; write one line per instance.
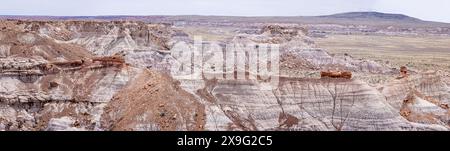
(86, 75)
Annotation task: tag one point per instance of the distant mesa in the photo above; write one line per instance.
(371, 15)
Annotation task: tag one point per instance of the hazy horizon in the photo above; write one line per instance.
(431, 10)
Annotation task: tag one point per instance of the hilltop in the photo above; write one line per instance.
(372, 15)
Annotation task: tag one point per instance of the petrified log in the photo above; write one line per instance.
(69, 63)
(53, 84)
(403, 72)
(444, 106)
(110, 59)
(336, 74)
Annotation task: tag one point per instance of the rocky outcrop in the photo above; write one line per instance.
(421, 98)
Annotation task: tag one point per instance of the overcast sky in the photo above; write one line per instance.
(434, 10)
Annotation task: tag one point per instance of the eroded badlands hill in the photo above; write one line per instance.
(87, 75)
